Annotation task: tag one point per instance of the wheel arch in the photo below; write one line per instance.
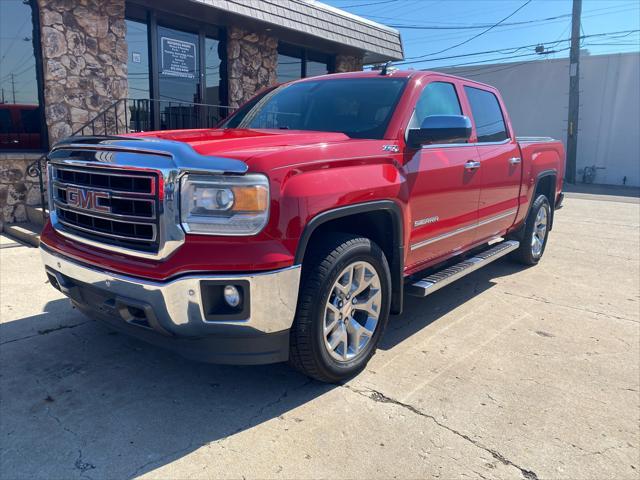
(546, 184)
(370, 219)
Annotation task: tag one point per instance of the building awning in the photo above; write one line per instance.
(310, 18)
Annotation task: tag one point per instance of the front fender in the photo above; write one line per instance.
(323, 196)
(321, 190)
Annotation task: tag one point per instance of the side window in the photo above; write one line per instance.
(437, 98)
(487, 115)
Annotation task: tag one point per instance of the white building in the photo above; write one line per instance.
(537, 97)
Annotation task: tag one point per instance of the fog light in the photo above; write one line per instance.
(231, 296)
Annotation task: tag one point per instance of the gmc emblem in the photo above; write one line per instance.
(88, 199)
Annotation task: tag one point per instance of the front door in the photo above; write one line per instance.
(179, 78)
(500, 165)
(444, 185)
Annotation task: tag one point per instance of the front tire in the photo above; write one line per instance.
(343, 308)
(536, 233)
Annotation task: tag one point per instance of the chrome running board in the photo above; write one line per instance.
(437, 280)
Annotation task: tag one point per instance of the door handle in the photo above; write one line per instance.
(515, 160)
(472, 165)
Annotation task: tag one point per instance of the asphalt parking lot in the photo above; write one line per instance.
(509, 373)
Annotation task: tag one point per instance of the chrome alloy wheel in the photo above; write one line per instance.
(539, 232)
(352, 311)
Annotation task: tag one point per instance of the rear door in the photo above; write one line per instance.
(443, 189)
(500, 163)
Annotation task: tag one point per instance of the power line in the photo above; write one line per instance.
(21, 72)
(454, 26)
(368, 4)
(532, 25)
(479, 34)
(613, 35)
(482, 70)
(478, 62)
(476, 27)
(15, 38)
(613, 44)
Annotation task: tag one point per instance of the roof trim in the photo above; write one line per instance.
(352, 16)
(312, 18)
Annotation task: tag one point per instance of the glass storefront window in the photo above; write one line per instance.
(178, 62)
(138, 76)
(21, 126)
(317, 64)
(212, 71)
(184, 84)
(295, 63)
(289, 67)
(138, 61)
(316, 68)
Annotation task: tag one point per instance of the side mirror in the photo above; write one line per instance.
(441, 129)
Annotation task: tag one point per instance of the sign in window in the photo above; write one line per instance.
(178, 58)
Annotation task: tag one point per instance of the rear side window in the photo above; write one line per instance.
(5, 121)
(437, 98)
(487, 115)
(30, 120)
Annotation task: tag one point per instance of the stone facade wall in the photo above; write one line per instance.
(84, 60)
(348, 63)
(252, 62)
(17, 189)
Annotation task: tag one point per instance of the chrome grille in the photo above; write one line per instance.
(107, 205)
(109, 180)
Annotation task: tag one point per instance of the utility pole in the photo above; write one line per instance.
(13, 88)
(574, 93)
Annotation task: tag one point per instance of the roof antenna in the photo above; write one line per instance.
(388, 68)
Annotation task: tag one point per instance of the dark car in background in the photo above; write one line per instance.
(20, 127)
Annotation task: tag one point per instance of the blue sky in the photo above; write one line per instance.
(598, 16)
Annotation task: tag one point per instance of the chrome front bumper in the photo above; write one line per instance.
(175, 308)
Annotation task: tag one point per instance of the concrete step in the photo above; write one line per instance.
(26, 232)
(37, 215)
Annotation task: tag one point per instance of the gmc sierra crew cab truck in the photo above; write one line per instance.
(294, 229)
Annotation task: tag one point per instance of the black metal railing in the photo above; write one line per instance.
(131, 115)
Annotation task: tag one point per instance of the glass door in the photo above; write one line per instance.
(139, 104)
(178, 78)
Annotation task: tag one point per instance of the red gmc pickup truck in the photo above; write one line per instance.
(293, 230)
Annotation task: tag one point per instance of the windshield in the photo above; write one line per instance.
(357, 107)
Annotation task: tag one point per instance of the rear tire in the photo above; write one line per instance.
(536, 233)
(343, 308)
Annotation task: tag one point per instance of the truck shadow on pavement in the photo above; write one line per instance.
(420, 312)
(79, 400)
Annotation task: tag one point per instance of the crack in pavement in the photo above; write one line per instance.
(161, 459)
(59, 422)
(585, 310)
(46, 332)
(219, 441)
(281, 397)
(83, 466)
(591, 253)
(380, 397)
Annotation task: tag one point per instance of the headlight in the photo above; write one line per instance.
(224, 205)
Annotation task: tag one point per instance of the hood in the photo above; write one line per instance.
(243, 144)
